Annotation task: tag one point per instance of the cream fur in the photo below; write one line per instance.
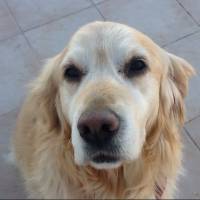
(46, 138)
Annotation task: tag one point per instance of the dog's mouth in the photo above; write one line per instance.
(105, 161)
(104, 158)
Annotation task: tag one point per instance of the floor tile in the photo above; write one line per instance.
(98, 1)
(188, 48)
(31, 13)
(193, 7)
(7, 124)
(189, 186)
(193, 98)
(163, 21)
(193, 127)
(11, 184)
(8, 27)
(59, 32)
(17, 63)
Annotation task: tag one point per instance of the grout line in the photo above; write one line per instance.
(194, 20)
(57, 19)
(10, 111)
(22, 32)
(18, 32)
(53, 20)
(191, 138)
(11, 13)
(104, 19)
(101, 2)
(188, 121)
(181, 38)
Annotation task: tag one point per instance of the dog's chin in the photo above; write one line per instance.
(105, 165)
(101, 161)
(105, 161)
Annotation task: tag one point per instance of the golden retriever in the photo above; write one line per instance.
(103, 118)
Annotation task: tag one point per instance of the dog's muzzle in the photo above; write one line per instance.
(98, 129)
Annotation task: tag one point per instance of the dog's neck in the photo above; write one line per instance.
(128, 181)
(139, 179)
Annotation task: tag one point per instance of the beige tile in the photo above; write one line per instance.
(31, 13)
(189, 186)
(193, 128)
(52, 38)
(8, 27)
(164, 21)
(193, 7)
(17, 63)
(188, 48)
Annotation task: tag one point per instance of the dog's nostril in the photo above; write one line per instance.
(111, 126)
(98, 126)
(83, 129)
(106, 128)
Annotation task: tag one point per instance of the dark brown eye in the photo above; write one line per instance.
(72, 73)
(135, 67)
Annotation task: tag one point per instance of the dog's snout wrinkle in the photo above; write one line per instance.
(98, 127)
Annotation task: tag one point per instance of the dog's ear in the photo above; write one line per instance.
(180, 71)
(174, 85)
(44, 93)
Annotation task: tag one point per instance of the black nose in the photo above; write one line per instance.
(97, 128)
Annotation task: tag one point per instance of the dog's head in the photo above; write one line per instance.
(109, 85)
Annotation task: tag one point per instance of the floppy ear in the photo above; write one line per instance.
(174, 86)
(44, 93)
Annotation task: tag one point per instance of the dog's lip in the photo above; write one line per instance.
(104, 158)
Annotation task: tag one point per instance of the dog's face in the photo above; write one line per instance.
(110, 92)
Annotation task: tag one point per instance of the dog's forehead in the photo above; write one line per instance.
(101, 34)
(103, 40)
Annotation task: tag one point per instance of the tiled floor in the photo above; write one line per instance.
(32, 30)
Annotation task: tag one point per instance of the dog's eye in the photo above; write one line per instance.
(72, 73)
(134, 67)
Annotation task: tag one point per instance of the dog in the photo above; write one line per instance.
(103, 119)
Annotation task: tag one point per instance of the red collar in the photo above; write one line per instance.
(160, 188)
